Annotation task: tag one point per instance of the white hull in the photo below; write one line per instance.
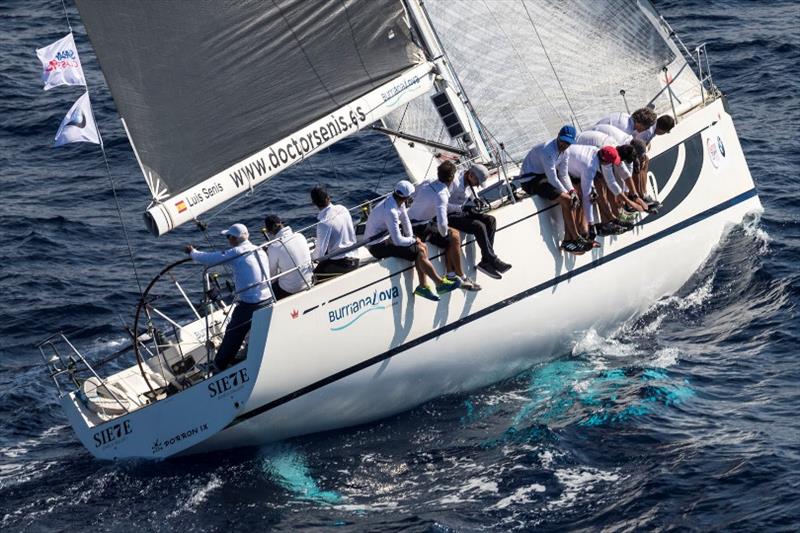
(359, 348)
(393, 359)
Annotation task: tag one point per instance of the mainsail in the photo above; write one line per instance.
(219, 96)
(530, 66)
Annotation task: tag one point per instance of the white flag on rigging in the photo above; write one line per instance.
(61, 64)
(78, 125)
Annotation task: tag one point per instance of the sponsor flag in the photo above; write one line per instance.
(60, 64)
(78, 125)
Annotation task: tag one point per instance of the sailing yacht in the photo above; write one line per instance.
(217, 99)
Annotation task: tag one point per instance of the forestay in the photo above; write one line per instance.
(203, 86)
(530, 66)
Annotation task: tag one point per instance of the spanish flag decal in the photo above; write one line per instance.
(181, 206)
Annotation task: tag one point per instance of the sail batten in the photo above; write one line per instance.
(205, 85)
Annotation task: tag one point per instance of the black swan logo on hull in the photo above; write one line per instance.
(663, 165)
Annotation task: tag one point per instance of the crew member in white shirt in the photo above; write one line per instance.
(623, 171)
(639, 170)
(663, 125)
(632, 199)
(643, 125)
(335, 232)
(548, 165)
(389, 234)
(288, 253)
(428, 214)
(635, 124)
(594, 138)
(472, 221)
(250, 267)
(589, 163)
(619, 136)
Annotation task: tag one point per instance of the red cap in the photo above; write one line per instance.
(608, 154)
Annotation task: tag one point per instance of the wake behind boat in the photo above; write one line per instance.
(358, 347)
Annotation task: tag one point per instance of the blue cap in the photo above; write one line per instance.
(567, 134)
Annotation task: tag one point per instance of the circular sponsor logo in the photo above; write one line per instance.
(716, 151)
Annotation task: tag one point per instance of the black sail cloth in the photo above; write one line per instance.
(203, 85)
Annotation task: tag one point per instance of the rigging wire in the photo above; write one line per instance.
(462, 92)
(303, 51)
(119, 208)
(66, 16)
(523, 63)
(111, 180)
(547, 56)
(355, 43)
(386, 156)
(330, 161)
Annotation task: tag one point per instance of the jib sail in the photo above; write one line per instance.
(530, 66)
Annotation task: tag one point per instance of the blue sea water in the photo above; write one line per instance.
(683, 418)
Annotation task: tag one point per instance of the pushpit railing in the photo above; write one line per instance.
(67, 364)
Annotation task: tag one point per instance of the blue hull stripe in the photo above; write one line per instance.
(495, 307)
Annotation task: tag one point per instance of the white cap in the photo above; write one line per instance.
(237, 230)
(480, 172)
(404, 188)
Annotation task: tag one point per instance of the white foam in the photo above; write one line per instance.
(599, 350)
(664, 358)
(480, 484)
(520, 496)
(198, 496)
(73, 495)
(17, 473)
(377, 506)
(576, 482)
(752, 228)
(547, 459)
(604, 352)
(25, 446)
(697, 297)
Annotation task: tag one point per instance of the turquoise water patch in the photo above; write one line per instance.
(473, 414)
(563, 393)
(288, 467)
(654, 373)
(654, 395)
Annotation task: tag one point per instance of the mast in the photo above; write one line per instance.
(447, 84)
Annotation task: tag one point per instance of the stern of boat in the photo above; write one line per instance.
(166, 401)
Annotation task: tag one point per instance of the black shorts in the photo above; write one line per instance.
(386, 248)
(429, 232)
(539, 185)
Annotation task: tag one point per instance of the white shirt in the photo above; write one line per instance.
(388, 216)
(290, 251)
(430, 202)
(250, 270)
(622, 121)
(545, 159)
(459, 194)
(335, 232)
(595, 138)
(599, 139)
(646, 135)
(584, 162)
(620, 137)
